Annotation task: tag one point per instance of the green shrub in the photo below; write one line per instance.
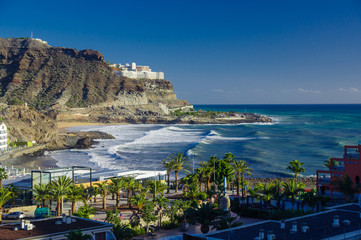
(169, 225)
(139, 231)
(15, 101)
(202, 196)
(123, 231)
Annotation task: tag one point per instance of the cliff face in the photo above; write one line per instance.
(61, 78)
(25, 124)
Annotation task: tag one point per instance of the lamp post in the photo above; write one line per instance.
(214, 172)
(155, 182)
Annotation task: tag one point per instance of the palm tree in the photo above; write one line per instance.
(192, 192)
(180, 163)
(148, 214)
(205, 215)
(123, 231)
(5, 196)
(229, 157)
(263, 192)
(74, 194)
(157, 186)
(139, 201)
(328, 163)
(169, 166)
(129, 183)
(3, 175)
(276, 192)
(59, 188)
(225, 223)
(15, 192)
(310, 198)
(78, 235)
(103, 190)
(346, 186)
(161, 203)
(85, 211)
(42, 193)
(206, 172)
(116, 185)
(292, 190)
(241, 167)
(296, 167)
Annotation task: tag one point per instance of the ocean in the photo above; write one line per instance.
(308, 133)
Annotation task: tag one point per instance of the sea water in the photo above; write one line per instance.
(308, 133)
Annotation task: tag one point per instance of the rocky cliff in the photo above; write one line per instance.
(25, 124)
(70, 85)
(54, 78)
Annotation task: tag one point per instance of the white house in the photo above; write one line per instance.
(3, 137)
(137, 72)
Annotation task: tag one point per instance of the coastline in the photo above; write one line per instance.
(63, 126)
(43, 160)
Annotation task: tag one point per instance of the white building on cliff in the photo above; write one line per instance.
(3, 137)
(137, 72)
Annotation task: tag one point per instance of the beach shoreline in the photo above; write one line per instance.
(42, 159)
(63, 126)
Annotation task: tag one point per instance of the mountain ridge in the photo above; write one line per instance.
(44, 76)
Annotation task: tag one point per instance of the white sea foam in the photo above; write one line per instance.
(214, 136)
(141, 145)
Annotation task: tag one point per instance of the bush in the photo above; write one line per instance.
(202, 196)
(167, 225)
(123, 231)
(15, 102)
(139, 231)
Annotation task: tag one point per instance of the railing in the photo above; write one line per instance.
(324, 180)
(338, 169)
(353, 156)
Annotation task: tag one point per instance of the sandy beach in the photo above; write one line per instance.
(62, 126)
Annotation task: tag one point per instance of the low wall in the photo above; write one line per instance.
(19, 152)
(30, 208)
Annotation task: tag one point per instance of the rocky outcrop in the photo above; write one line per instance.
(83, 140)
(25, 124)
(70, 85)
(49, 78)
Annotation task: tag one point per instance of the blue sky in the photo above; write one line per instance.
(214, 52)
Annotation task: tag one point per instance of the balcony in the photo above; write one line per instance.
(352, 156)
(324, 180)
(338, 168)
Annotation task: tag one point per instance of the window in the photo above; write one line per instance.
(346, 162)
(100, 236)
(350, 162)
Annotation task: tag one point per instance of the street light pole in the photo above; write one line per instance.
(155, 182)
(214, 172)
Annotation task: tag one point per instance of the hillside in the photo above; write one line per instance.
(25, 124)
(53, 77)
(70, 85)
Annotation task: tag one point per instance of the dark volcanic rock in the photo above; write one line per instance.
(83, 143)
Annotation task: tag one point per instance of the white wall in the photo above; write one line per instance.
(3, 137)
(140, 75)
